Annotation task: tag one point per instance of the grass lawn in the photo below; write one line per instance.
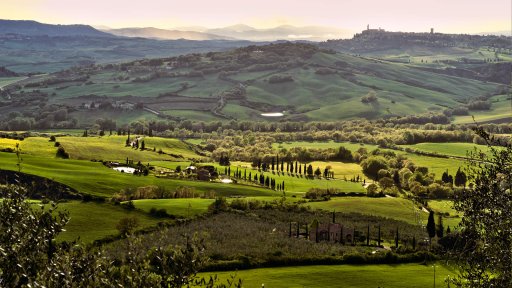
(91, 221)
(396, 208)
(384, 275)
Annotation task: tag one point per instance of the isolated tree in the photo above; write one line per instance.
(485, 258)
(431, 227)
(272, 163)
(127, 224)
(282, 170)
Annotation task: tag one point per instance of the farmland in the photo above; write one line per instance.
(411, 275)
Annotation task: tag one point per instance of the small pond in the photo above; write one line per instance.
(272, 114)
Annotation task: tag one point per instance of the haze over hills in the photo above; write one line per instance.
(285, 32)
(29, 27)
(155, 33)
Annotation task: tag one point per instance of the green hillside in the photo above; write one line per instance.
(221, 86)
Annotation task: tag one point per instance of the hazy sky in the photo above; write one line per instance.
(452, 16)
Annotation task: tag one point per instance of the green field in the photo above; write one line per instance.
(499, 110)
(102, 148)
(452, 149)
(7, 80)
(388, 275)
(401, 91)
(293, 182)
(91, 221)
(396, 208)
(96, 179)
(434, 164)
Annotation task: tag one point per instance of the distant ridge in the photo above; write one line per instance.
(155, 33)
(29, 27)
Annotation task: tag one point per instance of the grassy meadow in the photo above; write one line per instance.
(396, 208)
(91, 220)
(412, 91)
(385, 275)
(96, 179)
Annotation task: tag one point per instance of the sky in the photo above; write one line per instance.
(448, 16)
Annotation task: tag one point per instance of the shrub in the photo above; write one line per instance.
(62, 153)
(127, 224)
(52, 138)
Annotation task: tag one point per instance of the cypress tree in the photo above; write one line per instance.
(431, 227)
(379, 235)
(282, 166)
(448, 230)
(226, 170)
(245, 174)
(277, 162)
(229, 171)
(300, 169)
(305, 169)
(368, 238)
(414, 242)
(287, 166)
(396, 244)
(282, 186)
(295, 167)
(250, 178)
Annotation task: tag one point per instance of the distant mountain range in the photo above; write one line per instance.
(29, 27)
(162, 34)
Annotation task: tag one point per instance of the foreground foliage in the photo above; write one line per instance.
(485, 248)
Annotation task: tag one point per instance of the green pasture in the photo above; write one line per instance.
(7, 80)
(85, 116)
(102, 148)
(91, 220)
(453, 148)
(396, 208)
(499, 110)
(182, 207)
(322, 144)
(96, 179)
(411, 275)
(444, 206)
(188, 207)
(434, 164)
(292, 182)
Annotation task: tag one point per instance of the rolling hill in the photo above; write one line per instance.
(33, 28)
(155, 33)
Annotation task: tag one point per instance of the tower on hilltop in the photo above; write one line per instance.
(368, 27)
(431, 30)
